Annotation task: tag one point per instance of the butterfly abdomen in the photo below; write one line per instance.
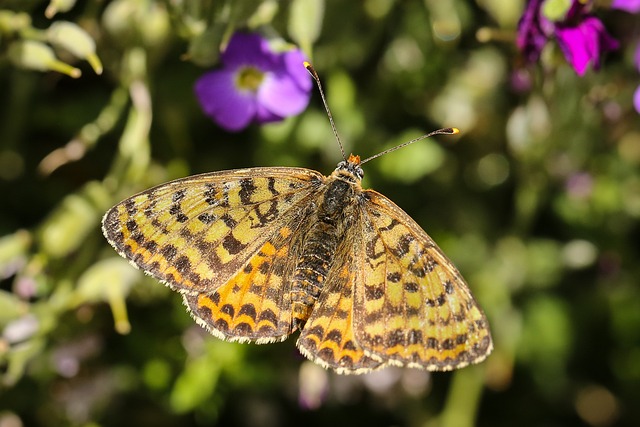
(319, 249)
(312, 269)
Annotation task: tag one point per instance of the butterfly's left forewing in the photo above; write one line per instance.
(413, 308)
(226, 241)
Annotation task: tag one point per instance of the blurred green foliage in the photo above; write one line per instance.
(537, 202)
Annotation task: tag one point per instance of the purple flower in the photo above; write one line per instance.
(632, 6)
(533, 30)
(580, 35)
(255, 83)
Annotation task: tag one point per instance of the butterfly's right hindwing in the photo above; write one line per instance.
(255, 304)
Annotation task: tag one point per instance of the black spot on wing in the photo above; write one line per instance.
(247, 188)
(169, 252)
(183, 264)
(249, 310)
(269, 316)
(228, 309)
(178, 195)
(231, 244)
(373, 292)
(394, 277)
(206, 218)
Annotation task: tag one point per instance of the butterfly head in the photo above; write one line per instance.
(350, 169)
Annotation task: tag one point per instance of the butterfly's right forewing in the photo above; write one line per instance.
(255, 304)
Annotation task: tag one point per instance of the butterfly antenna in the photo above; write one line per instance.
(444, 131)
(315, 76)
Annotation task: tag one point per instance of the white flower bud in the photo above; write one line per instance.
(56, 6)
(34, 55)
(77, 41)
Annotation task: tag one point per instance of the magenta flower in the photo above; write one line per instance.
(254, 84)
(632, 6)
(580, 35)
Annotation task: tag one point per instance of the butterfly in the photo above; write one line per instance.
(259, 253)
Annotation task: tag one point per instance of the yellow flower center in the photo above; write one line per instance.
(249, 79)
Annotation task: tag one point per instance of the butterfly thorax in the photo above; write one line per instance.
(332, 218)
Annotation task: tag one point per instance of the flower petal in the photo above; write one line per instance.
(531, 33)
(221, 100)
(293, 62)
(578, 9)
(248, 49)
(583, 44)
(632, 6)
(573, 44)
(263, 115)
(636, 99)
(281, 95)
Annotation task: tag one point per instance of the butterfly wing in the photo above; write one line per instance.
(201, 234)
(255, 304)
(328, 336)
(413, 308)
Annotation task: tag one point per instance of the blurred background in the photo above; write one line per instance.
(537, 202)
